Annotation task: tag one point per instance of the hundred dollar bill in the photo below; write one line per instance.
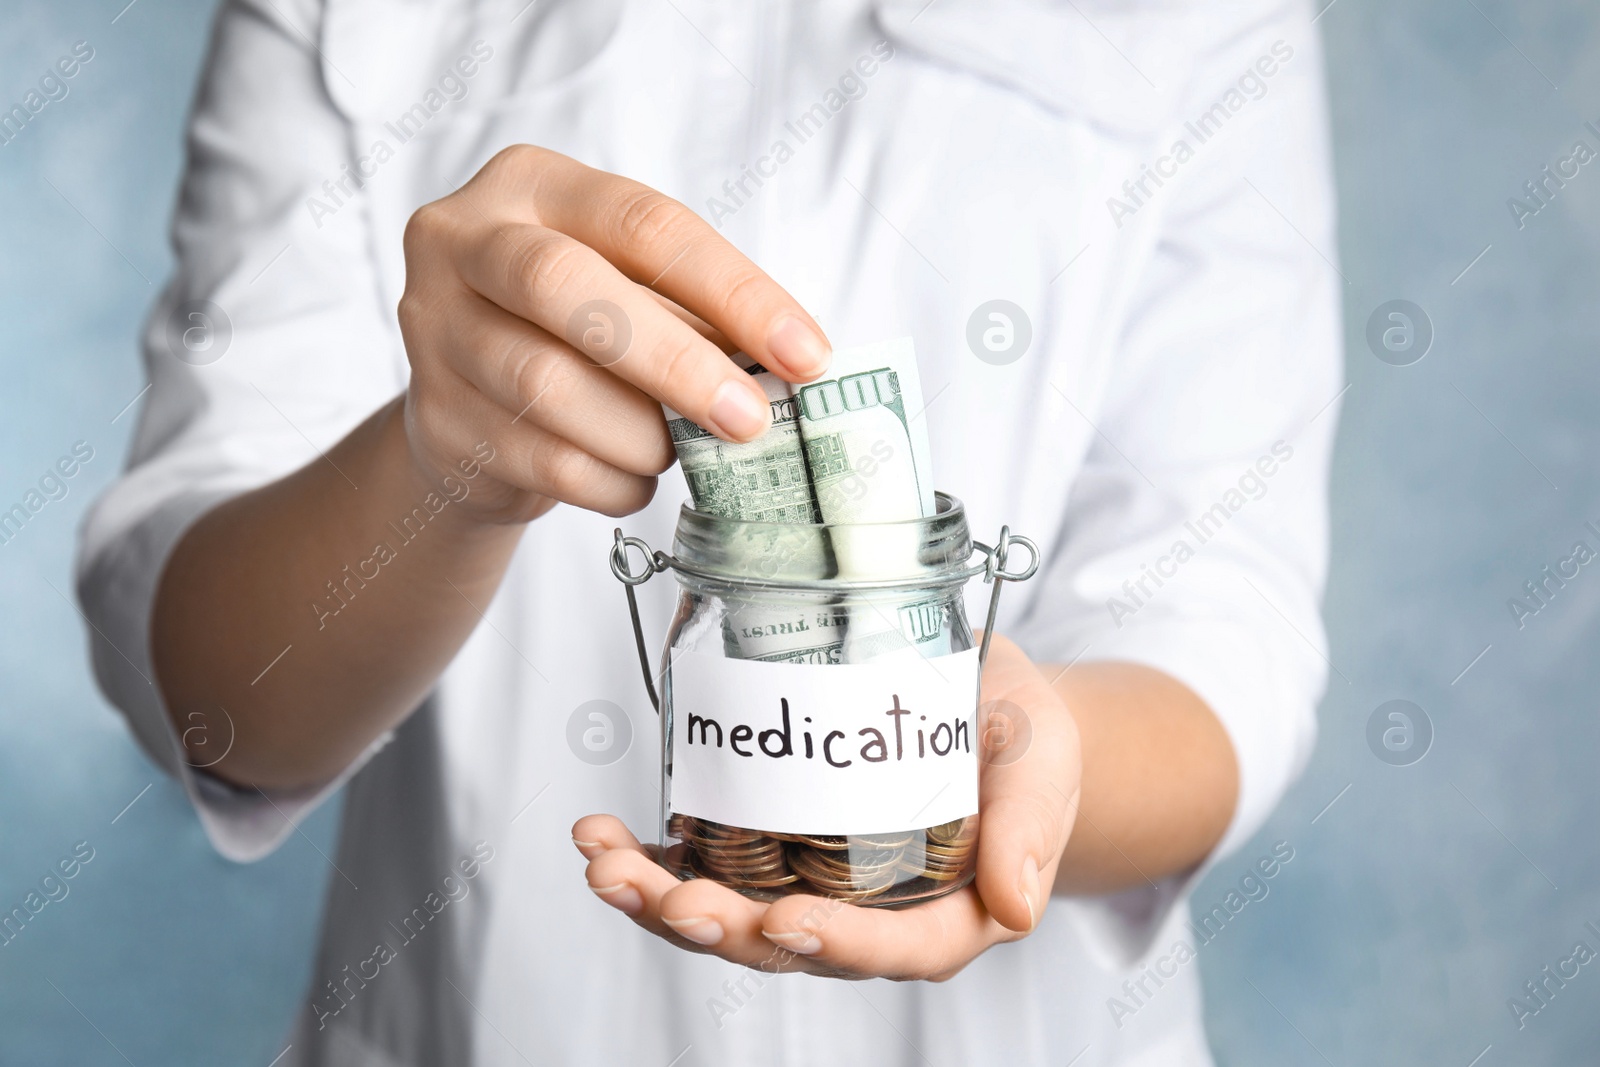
(850, 448)
(867, 454)
(866, 444)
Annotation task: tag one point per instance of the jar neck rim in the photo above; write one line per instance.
(933, 550)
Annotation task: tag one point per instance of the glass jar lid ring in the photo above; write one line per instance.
(992, 566)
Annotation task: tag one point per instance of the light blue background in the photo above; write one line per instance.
(1416, 904)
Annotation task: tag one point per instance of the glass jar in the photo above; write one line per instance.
(819, 703)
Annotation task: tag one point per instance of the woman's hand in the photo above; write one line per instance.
(1028, 798)
(548, 309)
(545, 312)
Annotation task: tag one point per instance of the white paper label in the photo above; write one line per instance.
(856, 748)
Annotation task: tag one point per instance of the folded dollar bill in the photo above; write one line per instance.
(849, 448)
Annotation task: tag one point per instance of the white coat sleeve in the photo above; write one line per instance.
(1195, 539)
(268, 345)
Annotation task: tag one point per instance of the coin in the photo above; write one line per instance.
(861, 868)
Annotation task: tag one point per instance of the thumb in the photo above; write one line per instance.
(1028, 795)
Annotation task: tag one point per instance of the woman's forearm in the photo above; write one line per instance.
(1160, 780)
(318, 610)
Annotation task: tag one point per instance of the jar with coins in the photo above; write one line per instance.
(818, 702)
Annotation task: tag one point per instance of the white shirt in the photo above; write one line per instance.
(937, 156)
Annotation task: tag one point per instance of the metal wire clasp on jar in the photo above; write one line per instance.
(819, 702)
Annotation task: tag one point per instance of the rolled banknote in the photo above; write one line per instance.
(866, 444)
(866, 447)
(849, 448)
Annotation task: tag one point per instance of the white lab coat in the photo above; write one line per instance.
(936, 156)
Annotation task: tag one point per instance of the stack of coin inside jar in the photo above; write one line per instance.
(861, 868)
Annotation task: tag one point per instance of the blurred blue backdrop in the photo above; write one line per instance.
(1422, 894)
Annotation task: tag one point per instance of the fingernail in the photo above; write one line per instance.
(798, 942)
(585, 844)
(798, 347)
(700, 931)
(1028, 885)
(621, 896)
(737, 412)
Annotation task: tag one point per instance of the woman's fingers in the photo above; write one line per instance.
(526, 457)
(722, 922)
(696, 914)
(541, 380)
(1029, 790)
(660, 243)
(929, 941)
(573, 291)
(633, 883)
(595, 834)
